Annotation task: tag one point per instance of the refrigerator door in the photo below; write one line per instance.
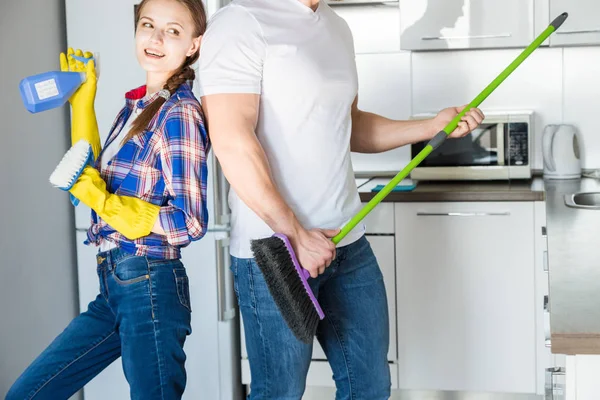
(82, 217)
(216, 283)
(201, 347)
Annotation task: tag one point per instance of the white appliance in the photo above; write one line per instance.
(560, 148)
(498, 149)
(213, 349)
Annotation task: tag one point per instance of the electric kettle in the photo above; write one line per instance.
(560, 147)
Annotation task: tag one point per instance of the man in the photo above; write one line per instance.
(279, 88)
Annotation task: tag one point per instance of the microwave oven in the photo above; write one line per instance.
(498, 149)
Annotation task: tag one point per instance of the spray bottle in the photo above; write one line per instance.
(51, 89)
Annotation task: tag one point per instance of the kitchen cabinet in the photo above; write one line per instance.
(375, 27)
(384, 89)
(461, 24)
(583, 25)
(582, 377)
(470, 289)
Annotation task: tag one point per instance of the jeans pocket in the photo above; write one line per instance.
(130, 270)
(183, 287)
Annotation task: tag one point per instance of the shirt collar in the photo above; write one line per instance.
(138, 97)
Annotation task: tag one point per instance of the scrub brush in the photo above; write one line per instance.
(71, 166)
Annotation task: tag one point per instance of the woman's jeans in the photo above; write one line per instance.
(142, 315)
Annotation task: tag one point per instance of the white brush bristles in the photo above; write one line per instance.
(72, 164)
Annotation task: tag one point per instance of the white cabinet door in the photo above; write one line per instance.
(466, 296)
(384, 88)
(375, 27)
(582, 377)
(464, 24)
(582, 27)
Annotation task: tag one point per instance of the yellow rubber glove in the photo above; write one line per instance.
(83, 116)
(130, 216)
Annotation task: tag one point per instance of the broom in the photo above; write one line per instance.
(285, 277)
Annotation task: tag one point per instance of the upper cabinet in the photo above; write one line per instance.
(375, 27)
(467, 24)
(581, 28)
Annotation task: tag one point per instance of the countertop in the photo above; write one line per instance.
(574, 275)
(529, 190)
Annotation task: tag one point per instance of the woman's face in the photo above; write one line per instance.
(164, 36)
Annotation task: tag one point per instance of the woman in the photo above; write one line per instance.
(147, 190)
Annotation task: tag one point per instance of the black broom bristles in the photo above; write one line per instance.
(286, 287)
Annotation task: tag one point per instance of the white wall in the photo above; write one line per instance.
(561, 85)
(37, 263)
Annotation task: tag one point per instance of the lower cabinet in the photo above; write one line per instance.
(468, 304)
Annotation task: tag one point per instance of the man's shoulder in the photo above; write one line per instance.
(262, 12)
(239, 9)
(239, 15)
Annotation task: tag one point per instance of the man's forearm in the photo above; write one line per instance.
(372, 133)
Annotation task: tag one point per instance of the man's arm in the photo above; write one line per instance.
(372, 133)
(232, 121)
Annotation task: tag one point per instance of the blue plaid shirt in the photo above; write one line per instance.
(164, 165)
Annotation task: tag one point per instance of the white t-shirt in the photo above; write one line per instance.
(302, 64)
(109, 153)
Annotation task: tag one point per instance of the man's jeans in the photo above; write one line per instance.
(141, 314)
(354, 333)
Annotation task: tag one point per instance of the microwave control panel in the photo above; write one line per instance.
(518, 143)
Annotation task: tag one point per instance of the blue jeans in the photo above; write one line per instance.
(354, 333)
(141, 314)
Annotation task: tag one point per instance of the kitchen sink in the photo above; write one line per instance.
(585, 200)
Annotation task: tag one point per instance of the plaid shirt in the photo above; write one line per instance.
(164, 165)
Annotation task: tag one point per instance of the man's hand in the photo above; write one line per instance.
(468, 123)
(314, 249)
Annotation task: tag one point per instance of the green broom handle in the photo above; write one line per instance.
(442, 135)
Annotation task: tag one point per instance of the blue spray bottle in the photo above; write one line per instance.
(50, 89)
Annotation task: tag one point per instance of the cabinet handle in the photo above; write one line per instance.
(500, 35)
(463, 214)
(578, 31)
(223, 284)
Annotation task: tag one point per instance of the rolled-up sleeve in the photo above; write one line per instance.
(183, 150)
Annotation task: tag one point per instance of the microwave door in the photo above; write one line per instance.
(483, 146)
